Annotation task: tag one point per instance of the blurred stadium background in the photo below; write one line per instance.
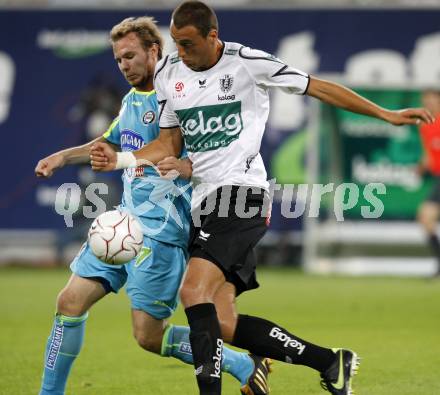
(59, 86)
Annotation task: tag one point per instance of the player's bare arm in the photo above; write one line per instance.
(182, 166)
(340, 96)
(69, 156)
(168, 143)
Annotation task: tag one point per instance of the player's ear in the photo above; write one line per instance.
(154, 50)
(213, 35)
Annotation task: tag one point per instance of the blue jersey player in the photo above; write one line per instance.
(162, 205)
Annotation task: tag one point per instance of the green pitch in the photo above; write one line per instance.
(394, 324)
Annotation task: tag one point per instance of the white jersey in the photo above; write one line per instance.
(222, 113)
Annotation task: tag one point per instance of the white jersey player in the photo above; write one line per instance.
(215, 96)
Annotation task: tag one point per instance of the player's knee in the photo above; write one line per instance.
(185, 295)
(192, 294)
(69, 304)
(148, 342)
(227, 326)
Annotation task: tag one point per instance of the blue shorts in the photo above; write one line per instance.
(153, 279)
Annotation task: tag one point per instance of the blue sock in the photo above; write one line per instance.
(176, 344)
(63, 346)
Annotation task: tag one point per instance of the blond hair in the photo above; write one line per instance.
(144, 27)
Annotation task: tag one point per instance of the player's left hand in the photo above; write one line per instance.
(47, 166)
(409, 116)
(102, 157)
(170, 166)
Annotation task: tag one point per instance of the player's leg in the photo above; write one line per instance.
(259, 336)
(66, 338)
(91, 281)
(156, 336)
(263, 337)
(201, 282)
(153, 287)
(175, 343)
(253, 375)
(428, 215)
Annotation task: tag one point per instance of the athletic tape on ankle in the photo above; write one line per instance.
(125, 160)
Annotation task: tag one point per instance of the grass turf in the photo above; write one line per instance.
(394, 324)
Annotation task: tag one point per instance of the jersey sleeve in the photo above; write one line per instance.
(269, 71)
(167, 117)
(113, 135)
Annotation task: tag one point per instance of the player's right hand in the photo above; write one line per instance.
(102, 157)
(46, 167)
(171, 167)
(409, 116)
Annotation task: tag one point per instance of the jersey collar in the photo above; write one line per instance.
(149, 93)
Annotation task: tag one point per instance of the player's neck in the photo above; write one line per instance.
(219, 50)
(216, 57)
(145, 87)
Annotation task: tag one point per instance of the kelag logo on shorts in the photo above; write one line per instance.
(210, 127)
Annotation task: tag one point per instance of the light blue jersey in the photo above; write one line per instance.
(161, 205)
(163, 208)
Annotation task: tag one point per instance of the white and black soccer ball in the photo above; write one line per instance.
(115, 237)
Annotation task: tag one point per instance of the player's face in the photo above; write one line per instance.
(135, 62)
(196, 51)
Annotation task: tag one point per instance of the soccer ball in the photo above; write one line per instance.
(115, 237)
